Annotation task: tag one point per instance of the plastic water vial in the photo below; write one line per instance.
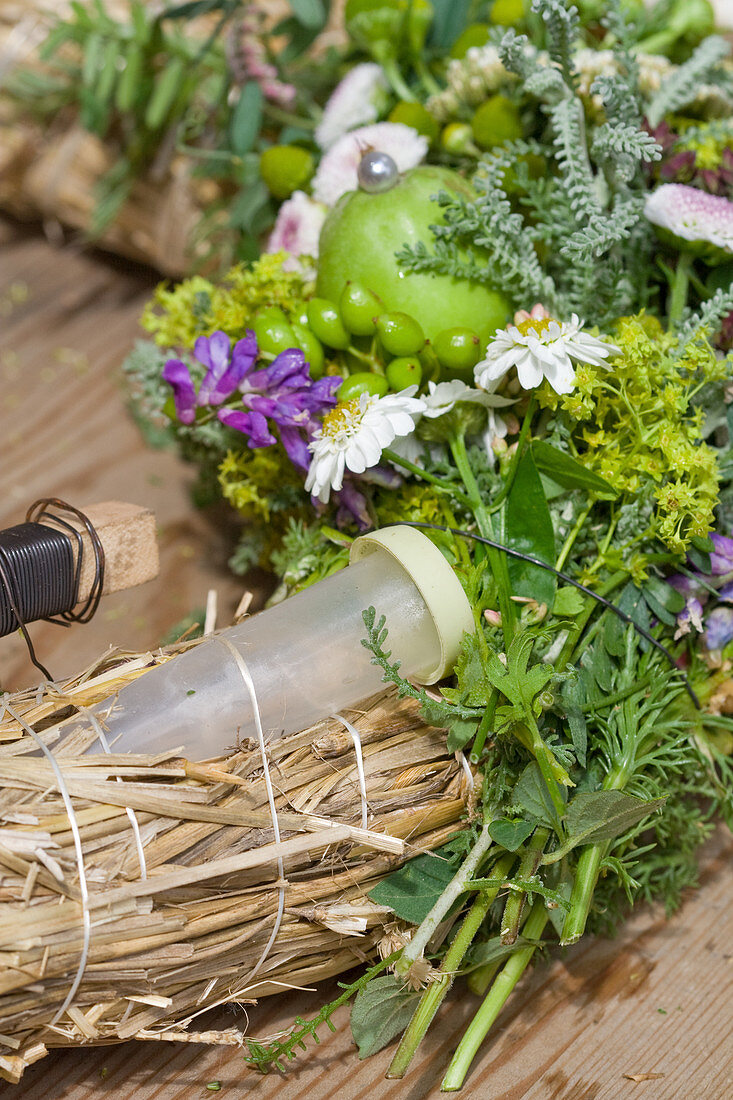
(304, 656)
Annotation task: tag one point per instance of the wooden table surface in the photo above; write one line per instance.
(657, 1000)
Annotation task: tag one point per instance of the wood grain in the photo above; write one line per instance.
(65, 432)
(657, 1000)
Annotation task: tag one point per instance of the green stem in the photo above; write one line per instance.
(512, 472)
(495, 1000)
(515, 901)
(586, 877)
(483, 520)
(572, 536)
(586, 873)
(435, 993)
(395, 78)
(680, 287)
(483, 729)
(428, 81)
(413, 468)
(479, 980)
(457, 886)
(547, 764)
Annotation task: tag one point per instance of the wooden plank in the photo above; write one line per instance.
(60, 384)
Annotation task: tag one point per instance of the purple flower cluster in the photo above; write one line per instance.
(282, 393)
(716, 623)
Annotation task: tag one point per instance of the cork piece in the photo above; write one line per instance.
(127, 533)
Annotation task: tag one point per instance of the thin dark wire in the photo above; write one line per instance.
(38, 575)
(39, 510)
(568, 580)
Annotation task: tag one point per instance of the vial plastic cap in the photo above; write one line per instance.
(435, 581)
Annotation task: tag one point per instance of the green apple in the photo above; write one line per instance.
(363, 232)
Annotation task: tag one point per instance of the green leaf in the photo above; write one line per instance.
(460, 733)
(665, 595)
(573, 697)
(473, 688)
(246, 118)
(531, 795)
(382, 1009)
(310, 13)
(595, 816)
(520, 684)
(412, 891)
(510, 833)
(567, 471)
(450, 18)
(528, 527)
(614, 634)
(568, 602)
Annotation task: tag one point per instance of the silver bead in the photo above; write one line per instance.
(377, 172)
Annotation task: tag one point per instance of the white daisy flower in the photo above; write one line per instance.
(541, 348)
(355, 433)
(692, 214)
(441, 398)
(355, 101)
(296, 230)
(337, 172)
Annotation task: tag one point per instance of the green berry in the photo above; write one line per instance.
(457, 349)
(358, 307)
(362, 382)
(457, 138)
(286, 168)
(311, 347)
(403, 372)
(400, 334)
(273, 331)
(496, 121)
(325, 322)
(418, 117)
(477, 34)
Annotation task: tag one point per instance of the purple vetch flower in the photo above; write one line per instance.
(692, 214)
(719, 628)
(281, 393)
(721, 558)
(224, 373)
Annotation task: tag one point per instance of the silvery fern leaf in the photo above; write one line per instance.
(563, 31)
(517, 54)
(610, 141)
(572, 157)
(603, 231)
(706, 320)
(682, 86)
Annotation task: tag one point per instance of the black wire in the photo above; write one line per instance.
(40, 574)
(568, 580)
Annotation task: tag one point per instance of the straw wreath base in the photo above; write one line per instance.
(180, 865)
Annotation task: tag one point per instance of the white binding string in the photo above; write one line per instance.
(355, 737)
(74, 825)
(102, 738)
(249, 684)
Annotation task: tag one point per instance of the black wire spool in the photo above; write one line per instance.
(40, 573)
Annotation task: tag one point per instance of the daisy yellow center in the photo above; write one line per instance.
(537, 325)
(343, 418)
